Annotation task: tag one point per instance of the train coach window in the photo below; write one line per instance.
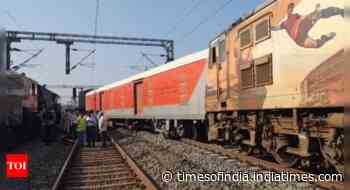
(222, 50)
(262, 30)
(247, 77)
(245, 38)
(263, 71)
(217, 53)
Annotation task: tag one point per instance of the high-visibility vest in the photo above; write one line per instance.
(81, 124)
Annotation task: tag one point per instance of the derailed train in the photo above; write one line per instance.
(22, 101)
(272, 83)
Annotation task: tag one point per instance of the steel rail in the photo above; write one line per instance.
(64, 167)
(146, 180)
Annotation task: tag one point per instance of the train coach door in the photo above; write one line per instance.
(100, 101)
(222, 72)
(138, 105)
(95, 102)
(217, 91)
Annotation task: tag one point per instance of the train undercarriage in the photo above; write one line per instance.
(300, 138)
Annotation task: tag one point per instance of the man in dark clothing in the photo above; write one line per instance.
(49, 120)
(91, 129)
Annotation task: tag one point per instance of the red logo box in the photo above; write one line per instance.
(16, 165)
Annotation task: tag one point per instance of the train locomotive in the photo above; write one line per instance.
(272, 83)
(23, 101)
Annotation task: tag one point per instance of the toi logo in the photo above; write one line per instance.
(16, 165)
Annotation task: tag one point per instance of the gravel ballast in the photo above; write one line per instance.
(157, 156)
(45, 162)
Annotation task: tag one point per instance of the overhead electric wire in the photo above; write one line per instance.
(24, 63)
(80, 62)
(206, 19)
(184, 16)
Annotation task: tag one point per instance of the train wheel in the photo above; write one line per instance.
(229, 140)
(194, 132)
(267, 138)
(334, 153)
(246, 149)
(154, 126)
(172, 132)
(165, 131)
(180, 131)
(164, 134)
(340, 153)
(277, 147)
(285, 159)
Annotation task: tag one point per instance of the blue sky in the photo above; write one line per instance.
(136, 18)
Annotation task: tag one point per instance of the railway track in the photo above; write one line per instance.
(217, 149)
(101, 168)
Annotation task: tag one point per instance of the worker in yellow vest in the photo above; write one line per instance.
(81, 129)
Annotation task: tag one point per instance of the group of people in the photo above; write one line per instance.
(86, 126)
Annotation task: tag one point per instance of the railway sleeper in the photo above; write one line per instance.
(95, 159)
(91, 159)
(96, 167)
(96, 150)
(97, 153)
(126, 185)
(98, 176)
(101, 163)
(97, 182)
(100, 170)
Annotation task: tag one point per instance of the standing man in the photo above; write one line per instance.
(74, 119)
(81, 129)
(95, 118)
(66, 121)
(50, 118)
(98, 115)
(70, 122)
(102, 125)
(91, 129)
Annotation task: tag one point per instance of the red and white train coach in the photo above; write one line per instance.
(169, 95)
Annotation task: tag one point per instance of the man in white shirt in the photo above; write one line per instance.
(102, 126)
(91, 129)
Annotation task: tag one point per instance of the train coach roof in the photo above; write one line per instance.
(13, 79)
(246, 16)
(7, 82)
(171, 65)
